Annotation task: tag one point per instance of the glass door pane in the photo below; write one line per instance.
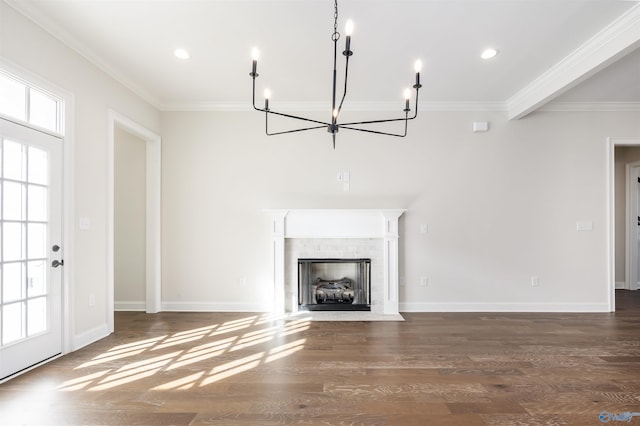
(25, 240)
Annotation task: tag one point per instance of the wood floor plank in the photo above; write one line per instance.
(255, 369)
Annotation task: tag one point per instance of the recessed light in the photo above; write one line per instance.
(181, 54)
(489, 53)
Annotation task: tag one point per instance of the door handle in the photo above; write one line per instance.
(57, 263)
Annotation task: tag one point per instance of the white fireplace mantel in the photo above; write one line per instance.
(337, 223)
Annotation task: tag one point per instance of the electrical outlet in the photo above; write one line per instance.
(242, 282)
(535, 282)
(84, 224)
(424, 281)
(92, 299)
(424, 228)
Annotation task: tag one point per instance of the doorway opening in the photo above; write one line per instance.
(129, 221)
(118, 122)
(632, 221)
(618, 218)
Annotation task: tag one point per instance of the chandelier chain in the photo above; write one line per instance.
(336, 35)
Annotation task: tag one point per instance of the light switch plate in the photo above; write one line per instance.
(480, 126)
(584, 225)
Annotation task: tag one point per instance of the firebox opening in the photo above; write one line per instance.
(334, 284)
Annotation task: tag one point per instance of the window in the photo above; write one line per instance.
(26, 103)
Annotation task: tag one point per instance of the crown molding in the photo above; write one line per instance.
(393, 106)
(325, 106)
(62, 35)
(613, 42)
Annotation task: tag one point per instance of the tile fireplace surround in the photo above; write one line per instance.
(332, 233)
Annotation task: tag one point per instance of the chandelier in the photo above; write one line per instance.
(333, 125)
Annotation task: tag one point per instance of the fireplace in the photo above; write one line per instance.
(334, 284)
(336, 234)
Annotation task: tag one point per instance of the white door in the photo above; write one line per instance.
(30, 247)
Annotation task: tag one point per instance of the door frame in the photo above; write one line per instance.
(153, 212)
(610, 204)
(632, 173)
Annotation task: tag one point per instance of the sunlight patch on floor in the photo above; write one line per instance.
(234, 336)
(81, 382)
(285, 350)
(232, 368)
(181, 384)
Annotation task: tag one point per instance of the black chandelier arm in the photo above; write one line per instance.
(335, 37)
(266, 128)
(388, 120)
(253, 77)
(293, 131)
(346, 75)
(269, 111)
(415, 114)
(377, 132)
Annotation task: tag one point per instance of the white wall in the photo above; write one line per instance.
(29, 47)
(500, 207)
(130, 156)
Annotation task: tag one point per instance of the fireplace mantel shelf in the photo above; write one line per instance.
(338, 223)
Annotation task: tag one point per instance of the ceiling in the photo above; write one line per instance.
(579, 51)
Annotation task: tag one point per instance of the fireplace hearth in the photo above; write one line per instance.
(334, 284)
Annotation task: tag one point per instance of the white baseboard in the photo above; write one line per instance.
(504, 307)
(404, 307)
(212, 307)
(90, 336)
(129, 306)
(621, 285)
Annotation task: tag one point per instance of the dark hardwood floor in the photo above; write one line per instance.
(432, 369)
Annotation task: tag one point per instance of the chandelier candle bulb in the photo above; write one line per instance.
(267, 95)
(348, 30)
(418, 68)
(255, 54)
(407, 97)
